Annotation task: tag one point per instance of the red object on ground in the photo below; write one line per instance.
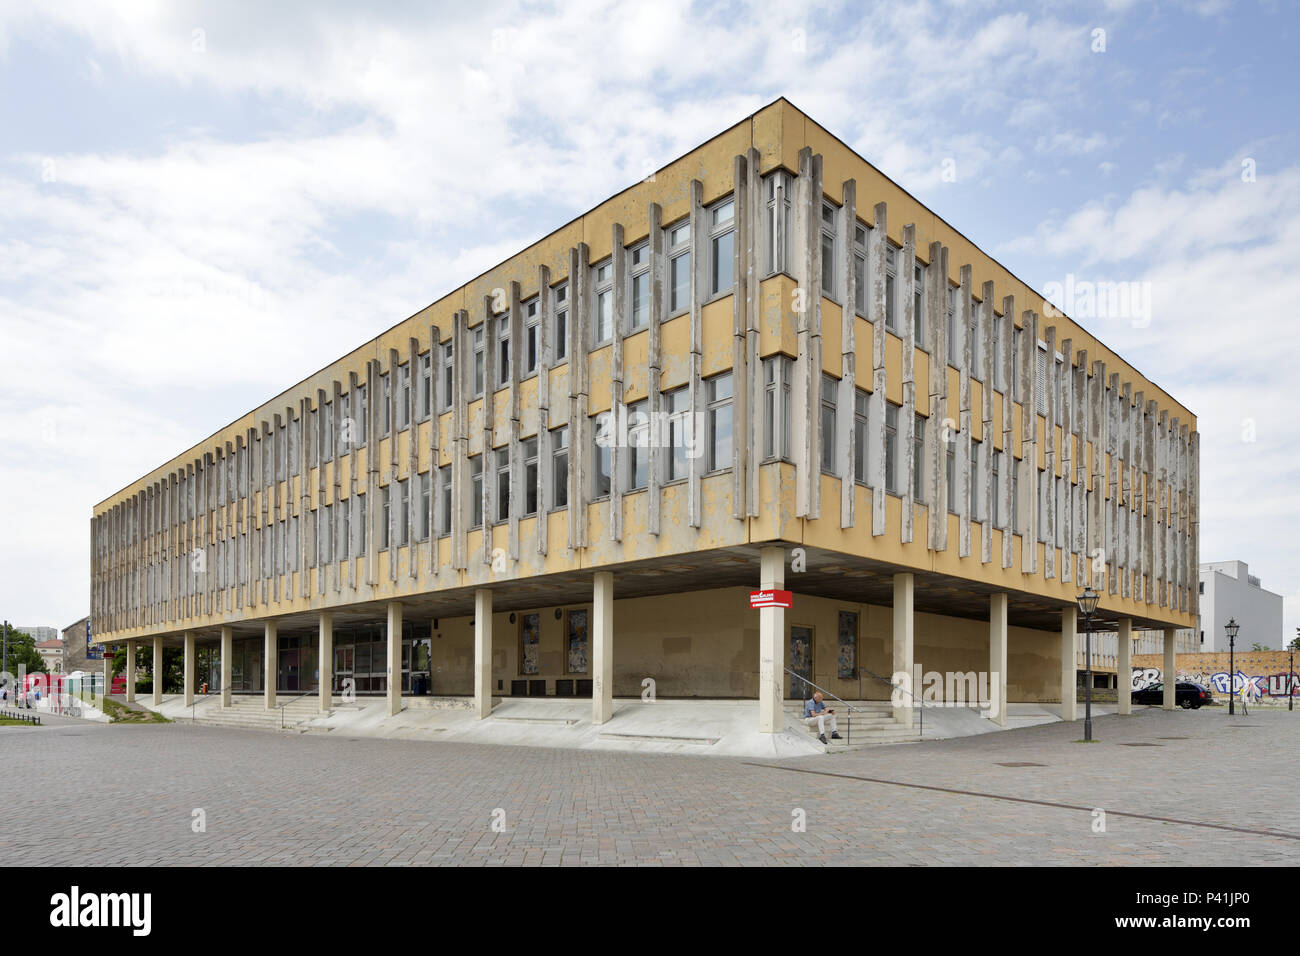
(119, 685)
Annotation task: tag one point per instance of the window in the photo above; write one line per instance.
(638, 444)
(950, 470)
(448, 383)
(603, 285)
(776, 407)
(560, 309)
(679, 268)
(1017, 344)
(891, 288)
(444, 500)
(891, 448)
(404, 396)
(386, 412)
(999, 375)
(479, 367)
(503, 484)
(560, 467)
(860, 434)
(529, 448)
(529, 357)
(503, 350)
(362, 416)
(975, 498)
(722, 247)
(976, 344)
(639, 280)
(359, 502)
(860, 269)
(476, 491)
(776, 223)
(1016, 523)
(345, 528)
(424, 398)
(426, 507)
(999, 519)
(718, 397)
(918, 459)
(681, 434)
(326, 542)
(327, 452)
(918, 305)
(1040, 384)
(601, 439)
(385, 515)
(830, 386)
(404, 518)
(828, 251)
(954, 348)
(345, 422)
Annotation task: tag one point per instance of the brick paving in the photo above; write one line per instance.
(126, 795)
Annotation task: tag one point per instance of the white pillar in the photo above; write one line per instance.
(602, 648)
(157, 671)
(394, 658)
(326, 656)
(771, 645)
(227, 655)
(108, 671)
(270, 662)
(483, 653)
(904, 646)
(1069, 662)
(1170, 674)
(189, 668)
(130, 671)
(998, 657)
(1124, 668)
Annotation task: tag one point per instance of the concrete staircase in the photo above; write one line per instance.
(873, 724)
(249, 712)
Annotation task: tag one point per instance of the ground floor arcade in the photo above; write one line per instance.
(857, 632)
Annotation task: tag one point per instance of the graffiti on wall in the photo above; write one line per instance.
(1265, 685)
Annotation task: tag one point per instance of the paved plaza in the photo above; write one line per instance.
(1181, 787)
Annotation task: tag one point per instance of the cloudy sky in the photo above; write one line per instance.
(188, 189)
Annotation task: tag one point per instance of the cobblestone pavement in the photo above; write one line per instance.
(1222, 791)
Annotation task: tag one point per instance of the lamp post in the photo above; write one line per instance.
(1232, 627)
(1087, 607)
(1290, 674)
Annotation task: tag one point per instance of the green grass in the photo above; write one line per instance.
(121, 714)
(10, 722)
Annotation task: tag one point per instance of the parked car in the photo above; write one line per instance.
(1186, 694)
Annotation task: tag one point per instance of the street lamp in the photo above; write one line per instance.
(1232, 627)
(1087, 607)
(1290, 674)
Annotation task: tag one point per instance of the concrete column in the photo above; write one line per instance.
(157, 671)
(270, 662)
(1170, 669)
(998, 657)
(227, 657)
(326, 657)
(130, 671)
(394, 658)
(189, 668)
(771, 645)
(483, 653)
(602, 648)
(1069, 662)
(1124, 668)
(904, 646)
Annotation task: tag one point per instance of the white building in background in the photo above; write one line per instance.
(1229, 591)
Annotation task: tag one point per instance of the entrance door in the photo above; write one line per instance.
(801, 661)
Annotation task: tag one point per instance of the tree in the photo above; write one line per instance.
(1257, 646)
(1295, 644)
(173, 678)
(23, 653)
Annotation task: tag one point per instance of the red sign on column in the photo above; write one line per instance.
(771, 598)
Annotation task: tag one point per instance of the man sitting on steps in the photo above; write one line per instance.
(815, 712)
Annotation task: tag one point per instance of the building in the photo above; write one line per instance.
(52, 654)
(38, 634)
(1228, 591)
(766, 366)
(80, 652)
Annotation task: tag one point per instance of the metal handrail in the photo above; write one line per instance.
(848, 722)
(281, 707)
(919, 703)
